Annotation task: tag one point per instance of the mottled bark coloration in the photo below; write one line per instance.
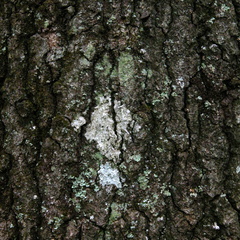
(119, 119)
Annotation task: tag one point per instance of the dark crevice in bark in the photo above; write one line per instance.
(121, 158)
(101, 228)
(54, 96)
(172, 16)
(227, 175)
(32, 166)
(186, 114)
(91, 106)
(35, 177)
(236, 6)
(233, 204)
(17, 232)
(147, 228)
(112, 93)
(80, 233)
(199, 223)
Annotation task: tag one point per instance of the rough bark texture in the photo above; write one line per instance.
(120, 119)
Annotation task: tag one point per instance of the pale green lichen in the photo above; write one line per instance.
(211, 67)
(143, 180)
(20, 216)
(130, 235)
(56, 221)
(116, 212)
(80, 185)
(84, 63)
(207, 104)
(98, 156)
(155, 101)
(103, 67)
(165, 190)
(126, 67)
(152, 204)
(203, 66)
(225, 8)
(211, 20)
(136, 158)
(111, 19)
(161, 150)
(89, 51)
(46, 23)
(144, 72)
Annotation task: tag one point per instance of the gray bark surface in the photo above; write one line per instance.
(119, 119)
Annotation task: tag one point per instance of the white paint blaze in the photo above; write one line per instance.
(109, 176)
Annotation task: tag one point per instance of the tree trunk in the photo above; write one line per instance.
(120, 119)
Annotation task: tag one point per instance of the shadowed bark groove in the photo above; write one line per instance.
(119, 119)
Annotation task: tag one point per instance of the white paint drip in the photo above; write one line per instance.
(109, 176)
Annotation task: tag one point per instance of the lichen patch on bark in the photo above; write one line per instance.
(106, 131)
(109, 176)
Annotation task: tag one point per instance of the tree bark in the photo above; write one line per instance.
(120, 119)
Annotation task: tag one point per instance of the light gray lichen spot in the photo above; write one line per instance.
(78, 122)
(215, 226)
(238, 119)
(102, 131)
(109, 176)
(123, 118)
(238, 169)
(180, 82)
(136, 158)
